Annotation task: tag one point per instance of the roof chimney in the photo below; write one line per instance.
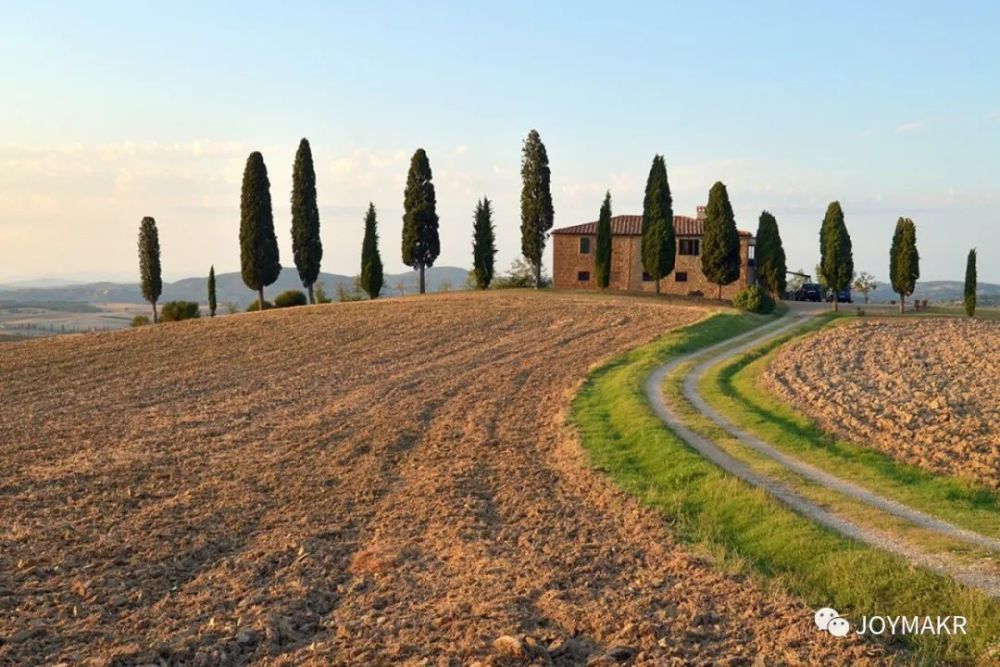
(701, 213)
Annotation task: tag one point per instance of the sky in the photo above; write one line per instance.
(115, 111)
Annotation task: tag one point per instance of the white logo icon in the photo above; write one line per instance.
(829, 620)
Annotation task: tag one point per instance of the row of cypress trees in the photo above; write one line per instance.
(720, 259)
(421, 243)
(720, 243)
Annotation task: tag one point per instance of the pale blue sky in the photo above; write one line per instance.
(113, 111)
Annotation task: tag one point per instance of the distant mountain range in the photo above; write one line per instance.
(40, 282)
(228, 287)
(939, 291)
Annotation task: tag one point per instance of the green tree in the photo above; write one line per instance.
(537, 213)
(658, 249)
(306, 245)
(836, 254)
(483, 243)
(970, 284)
(211, 291)
(421, 244)
(865, 283)
(904, 260)
(602, 253)
(149, 263)
(371, 261)
(769, 254)
(820, 280)
(258, 245)
(720, 242)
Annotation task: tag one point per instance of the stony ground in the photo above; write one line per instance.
(352, 484)
(925, 391)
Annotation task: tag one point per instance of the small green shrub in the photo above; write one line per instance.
(175, 311)
(520, 275)
(139, 321)
(754, 299)
(319, 291)
(352, 293)
(289, 298)
(256, 306)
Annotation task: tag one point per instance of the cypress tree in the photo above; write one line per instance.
(258, 245)
(769, 254)
(602, 254)
(483, 243)
(904, 260)
(836, 253)
(149, 263)
(306, 245)
(720, 241)
(421, 244)
(212, 304)
(537, 213)
(371, 260)
(970, 284)
(658, 245)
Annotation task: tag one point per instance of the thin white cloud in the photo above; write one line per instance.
(995, 116)
(911, 126)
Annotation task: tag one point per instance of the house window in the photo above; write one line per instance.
(584, 245)
(689, 247)
(583, 276)
(681, 276)
(646, 278)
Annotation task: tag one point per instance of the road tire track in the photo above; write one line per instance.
(970, 576)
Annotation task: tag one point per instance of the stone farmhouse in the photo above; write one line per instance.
(573, 258)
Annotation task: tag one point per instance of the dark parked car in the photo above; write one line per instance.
(843, 296)
(809, 292)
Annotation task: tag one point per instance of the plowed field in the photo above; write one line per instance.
(924, 391)
(352, 484)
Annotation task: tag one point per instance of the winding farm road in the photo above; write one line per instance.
(974, 577)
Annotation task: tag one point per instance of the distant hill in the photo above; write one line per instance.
(228, 287)
(940, 291)
(39, 282)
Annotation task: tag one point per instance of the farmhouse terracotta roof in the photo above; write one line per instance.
(631, 225)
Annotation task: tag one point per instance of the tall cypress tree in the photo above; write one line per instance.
(421, 244)
(769, 255)
(720, 241)
(371, 260)
(258, 245)
(836, 252)
(970, 284)
(537, 213)
(659, 249)
(212, 303)
(149, 263)
(602, 254)
(904, 260)
(306, 245)
(483, 243)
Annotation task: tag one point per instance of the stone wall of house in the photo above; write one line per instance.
(568, 262)
(626, 268)
(690, 267)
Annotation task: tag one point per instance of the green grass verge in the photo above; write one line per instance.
(745, 529)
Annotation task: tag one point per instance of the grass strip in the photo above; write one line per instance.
(745, 529)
